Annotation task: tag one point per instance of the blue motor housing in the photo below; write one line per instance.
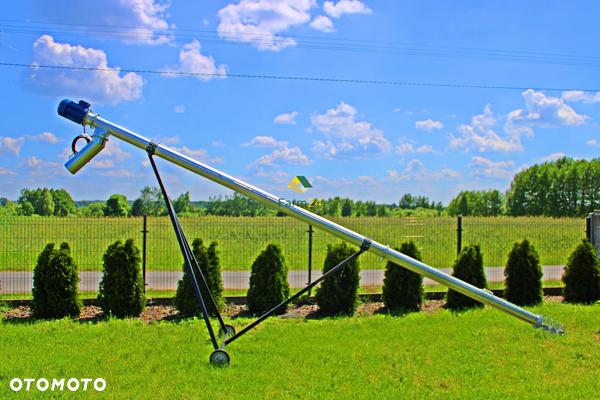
(73, 111)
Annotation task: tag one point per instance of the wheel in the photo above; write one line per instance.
(230, 331)
(219, 358)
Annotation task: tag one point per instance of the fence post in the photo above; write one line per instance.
(310, 235)
(459, 235)
(588, 227)
(144, 232)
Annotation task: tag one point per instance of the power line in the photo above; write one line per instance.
(296, 78)
(304, 42)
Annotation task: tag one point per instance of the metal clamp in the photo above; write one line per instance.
(387, 250)
(151, 148)
(366, 245)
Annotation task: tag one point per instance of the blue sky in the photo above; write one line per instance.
(360, 140)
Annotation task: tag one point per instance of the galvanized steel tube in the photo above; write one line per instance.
(356, 239)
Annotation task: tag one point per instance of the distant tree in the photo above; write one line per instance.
(360, 209)
(10, 208)
(138, 208)
(347, 208)
(25, 209)
(371, 209)
(382, 210)
(407, 202)
(45, 204)
(93, 210)
(63, 203)
(3, 201)
(116, 206)
(152, 201)
(183, 203)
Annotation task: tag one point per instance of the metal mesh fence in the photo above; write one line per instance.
(242, 239)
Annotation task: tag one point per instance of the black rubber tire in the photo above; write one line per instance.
(219, 358)
(230, 331)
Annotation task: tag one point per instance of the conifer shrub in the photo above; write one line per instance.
(468, 267)
(582, 275)
(338, 294)
(403, 289)
(122, 285)
(56, 284)
(523, 274)
(185, 299)
(268, 281)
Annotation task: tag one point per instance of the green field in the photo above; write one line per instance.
(241, 239)
(479, 354)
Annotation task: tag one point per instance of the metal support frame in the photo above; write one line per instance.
(188, 256)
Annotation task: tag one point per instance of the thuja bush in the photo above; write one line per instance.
(122, 286)
(523, 274)
(402, 288)
(582, 275)
(55, 284)
(468, 267)
(338, 294)
(185, 299)
(268, 281)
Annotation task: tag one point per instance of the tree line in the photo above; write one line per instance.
(560, 188)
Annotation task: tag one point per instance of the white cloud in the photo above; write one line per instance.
(98, 87)
(542, 111)
(141, 14)
(404, 148)
(179, 109)
(47, 137)
(265, 141)
(552, 157)
(291, 156)
(113, 151)
(579, 95)
(275, 176)
(31, 162)
(122, 173)
(323, 24)
(170, 139)
(191, 61)
(345, 7)
(10, 147)
(427, 149)
(358, 181)
(347, 138)
(483, 167)
(286, 118)
(65, 154)
(428, 125)
(219, 143)
(480, 138)
(200, 154)
(592, 142)
(416, 171)
(104, 164)
(408, 113)
(4, 171)
(396, 110)
(258, 21)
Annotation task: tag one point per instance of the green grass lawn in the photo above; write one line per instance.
(478, 354)
(242, 239)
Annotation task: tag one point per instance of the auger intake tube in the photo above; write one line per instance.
(383, 251)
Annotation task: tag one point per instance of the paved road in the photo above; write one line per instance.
(21, 282)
